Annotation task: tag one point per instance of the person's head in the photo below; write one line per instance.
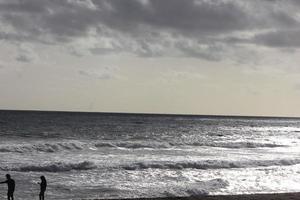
(8, 176)
(43, 178)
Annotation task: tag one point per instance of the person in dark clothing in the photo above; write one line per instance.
(43, 185)
(10, 187)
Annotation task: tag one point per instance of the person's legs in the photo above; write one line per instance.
(10, 196)
(41, 195)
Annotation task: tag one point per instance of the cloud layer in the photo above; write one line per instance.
(204, 29)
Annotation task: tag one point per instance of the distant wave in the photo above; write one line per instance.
(238, 144)
(53, 167)
(52, 147)
(210, 164)
(205, 164)
(135, 144)
(42, 147)
(164, 145)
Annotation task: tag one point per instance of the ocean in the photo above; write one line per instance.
(102, 155)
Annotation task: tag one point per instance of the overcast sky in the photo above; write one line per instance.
(228, 57)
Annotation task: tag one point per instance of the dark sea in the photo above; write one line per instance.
(101, 155)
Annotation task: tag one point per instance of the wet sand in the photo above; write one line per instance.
(277, 196)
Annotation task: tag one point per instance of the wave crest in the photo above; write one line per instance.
(237, 145)
(52, 147)
(135, 144)
(165, 145)
(42, 147)
(196, 189)
(210, 164)
(54, 167)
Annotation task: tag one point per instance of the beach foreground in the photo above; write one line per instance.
(275, 196)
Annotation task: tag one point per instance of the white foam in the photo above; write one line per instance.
(238, 144)
(53, 167)
(48, 147)
(210, 164)
(135, 144)
(195, 189)
(164, 145)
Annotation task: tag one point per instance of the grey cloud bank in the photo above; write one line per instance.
(149, 28)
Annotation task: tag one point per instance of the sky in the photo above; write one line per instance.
(209, 57)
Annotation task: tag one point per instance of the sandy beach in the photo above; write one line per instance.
(275, 196)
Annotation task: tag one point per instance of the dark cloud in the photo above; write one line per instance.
(212, 52)
(23, 58)
(19, 6)
(99, 50)
(60, 20)
(279, 38)
(183, 16)
(154, 27)
(18, 37)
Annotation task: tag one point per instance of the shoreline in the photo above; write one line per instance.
(270, 196)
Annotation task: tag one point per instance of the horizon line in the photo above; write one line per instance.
(149, 114)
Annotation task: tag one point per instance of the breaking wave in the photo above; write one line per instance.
(205, 164)
(238, 145)
(196, 189)
(53, 167)
(52, 147)
(165, 145)
(42, 147)
(135, 144)
(210, 164)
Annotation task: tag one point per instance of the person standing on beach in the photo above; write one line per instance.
(10, 187)
(43, 185)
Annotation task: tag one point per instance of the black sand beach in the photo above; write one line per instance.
(275, 196)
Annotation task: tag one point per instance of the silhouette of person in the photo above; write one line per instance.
(10, 187)
(43, 185)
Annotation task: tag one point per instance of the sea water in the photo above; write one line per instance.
(94, 155)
